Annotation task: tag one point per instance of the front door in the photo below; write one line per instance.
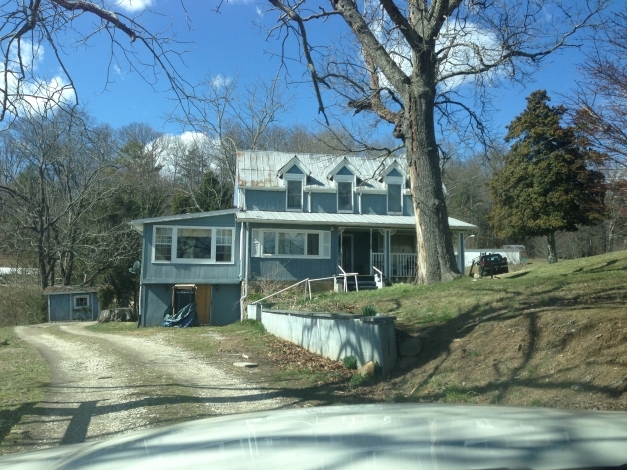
(346, 247)
(203, 303)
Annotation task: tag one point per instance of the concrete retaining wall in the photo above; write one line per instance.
(335, 336)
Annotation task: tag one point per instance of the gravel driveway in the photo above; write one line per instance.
(107, 384)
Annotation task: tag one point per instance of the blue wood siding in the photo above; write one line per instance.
(408, 205)
(290, 269)
(156, 298)
(181, 273)
(61, 307)
(324, 202)
(225, 307)
(265, 200)
(374, 204)
(224, 303)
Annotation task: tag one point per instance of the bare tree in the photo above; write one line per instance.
(404, 61)
(51, 171)
(63, 25)
(601, 100)
(400, 61)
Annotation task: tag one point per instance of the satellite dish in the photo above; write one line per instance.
(136, 269)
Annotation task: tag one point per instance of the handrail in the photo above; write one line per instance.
(282, 290)
(345, 274)
(377, 270)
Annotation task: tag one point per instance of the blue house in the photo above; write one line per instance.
(68, 303)
(296, 217)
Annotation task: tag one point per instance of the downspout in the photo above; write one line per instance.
(246, 259)
(309, 201)
(360, 212)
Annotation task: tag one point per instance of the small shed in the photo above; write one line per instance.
(72, 303)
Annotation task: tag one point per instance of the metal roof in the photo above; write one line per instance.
(352, 220)
(54, 290)
(260, 168)
(138, 224)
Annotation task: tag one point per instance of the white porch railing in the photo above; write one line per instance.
(378, 261)
(404, 264)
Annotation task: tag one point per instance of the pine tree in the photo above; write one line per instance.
(547, 182)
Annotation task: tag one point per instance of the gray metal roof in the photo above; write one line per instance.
(260, 169)
(138, 224)
(352, 220)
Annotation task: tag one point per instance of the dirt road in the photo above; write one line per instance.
(107, 384)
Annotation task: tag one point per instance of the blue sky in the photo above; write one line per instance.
(228, 43)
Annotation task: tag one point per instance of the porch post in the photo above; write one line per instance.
(461, 261)
(388, 263)
(370, 262)
(340, 231)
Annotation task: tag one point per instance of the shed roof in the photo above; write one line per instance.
(55, 290)
(345, 220)
(260, 168)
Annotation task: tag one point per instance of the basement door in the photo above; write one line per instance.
(203, 303)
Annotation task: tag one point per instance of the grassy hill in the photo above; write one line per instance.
(551, 335)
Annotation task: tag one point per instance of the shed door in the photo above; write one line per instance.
(203, 303)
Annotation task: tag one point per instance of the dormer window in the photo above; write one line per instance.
(294, 194)
(395, 204)
(345, 196)
(394, 178)
(294, 175)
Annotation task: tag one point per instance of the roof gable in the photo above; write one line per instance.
(294, 166)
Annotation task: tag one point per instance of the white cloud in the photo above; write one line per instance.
(31, 94)
(133, 5)
(220, 81)
(468, 46)
(26, 55)
(260, 12)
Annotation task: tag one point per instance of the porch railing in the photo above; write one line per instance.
(378, 260)
(404, 264)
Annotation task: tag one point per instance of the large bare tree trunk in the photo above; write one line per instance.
(436, 258)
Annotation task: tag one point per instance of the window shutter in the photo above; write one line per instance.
(256, 246)
(326, 244)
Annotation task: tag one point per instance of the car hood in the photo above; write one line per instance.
(361, 436)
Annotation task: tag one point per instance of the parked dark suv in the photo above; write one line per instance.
(492, 264)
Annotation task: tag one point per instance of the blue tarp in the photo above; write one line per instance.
(185, 317)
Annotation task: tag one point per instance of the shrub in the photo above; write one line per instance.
(350, 362)
(105, 297)
(368, 311)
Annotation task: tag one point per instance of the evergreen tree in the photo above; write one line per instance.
(547, 182)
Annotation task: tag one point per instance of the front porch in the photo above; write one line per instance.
(374, 251)
(387, 251)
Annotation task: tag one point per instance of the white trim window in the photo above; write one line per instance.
(395, 191)
(345, 196)
(81, 301)
(294, 186)
(193, 245)
(163, 244)
(280, 243)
